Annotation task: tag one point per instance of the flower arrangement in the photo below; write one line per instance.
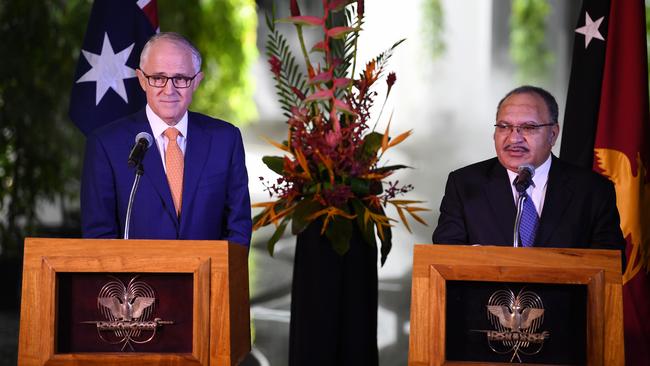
(331, 169)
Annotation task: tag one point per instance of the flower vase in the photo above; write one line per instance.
(333, 302)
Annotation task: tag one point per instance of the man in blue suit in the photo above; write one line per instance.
(195, 184)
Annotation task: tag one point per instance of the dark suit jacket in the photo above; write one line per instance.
(579, 208)
(216, 203)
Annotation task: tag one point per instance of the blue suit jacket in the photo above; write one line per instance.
(216, 203)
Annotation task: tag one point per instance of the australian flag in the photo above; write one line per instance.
(105, 85)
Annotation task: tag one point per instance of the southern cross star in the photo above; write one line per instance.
(590, 29)
(109, 70)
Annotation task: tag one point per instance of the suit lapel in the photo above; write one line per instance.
(557, 199)
(501, 201)
(153, 167)
(196, 154)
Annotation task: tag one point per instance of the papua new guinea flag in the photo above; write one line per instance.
(607, 127)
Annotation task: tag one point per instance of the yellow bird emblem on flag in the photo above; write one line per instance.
(633, 202)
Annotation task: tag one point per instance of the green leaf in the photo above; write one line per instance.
(275, 163)
(341, 83)
(270, 246)
(389, 168)
(343, 107)
(323, 77)
(340, 32)
(337, 5)
(339, 232)
(311, 188)
(318, 47)
(383, 57)
(302, 20)
(258, 217)
(371, 144)
(367, 230)
(303, 210)
(290, 75)
(360, 187)
(325, 94)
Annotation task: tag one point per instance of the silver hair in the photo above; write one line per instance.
(173, 37)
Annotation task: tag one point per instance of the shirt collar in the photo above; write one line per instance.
(541, 173)
(158, 126)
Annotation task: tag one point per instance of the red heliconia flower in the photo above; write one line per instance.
(390, 80)
(276, 66)
(298, 93)
(295, 10)
(332, 138)
(334, 119)
(337, 196)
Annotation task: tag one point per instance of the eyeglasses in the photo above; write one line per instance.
(526, 129)
(160, 81)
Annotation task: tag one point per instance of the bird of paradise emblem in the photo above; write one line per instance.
(516, 319)
(128, 311)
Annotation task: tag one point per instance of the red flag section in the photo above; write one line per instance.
(607, 127)
(621, 153)
(150, 9)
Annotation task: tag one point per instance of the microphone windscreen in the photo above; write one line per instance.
(146, 136)
(529, 167)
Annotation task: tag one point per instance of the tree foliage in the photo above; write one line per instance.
(40, 149)
(528, 48)
(433, 23)
(225, 31)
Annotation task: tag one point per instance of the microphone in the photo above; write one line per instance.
(525, 177)
(522, 182)
(143, 141)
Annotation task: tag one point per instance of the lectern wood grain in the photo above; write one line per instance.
(433, 265)
(221, 324)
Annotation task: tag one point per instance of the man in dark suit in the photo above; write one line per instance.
(575, 207)
(195, 184)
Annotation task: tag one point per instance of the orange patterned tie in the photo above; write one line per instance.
(174, 164)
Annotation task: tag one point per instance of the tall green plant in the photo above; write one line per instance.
(528, 49)
(40, 149)
(225, 31)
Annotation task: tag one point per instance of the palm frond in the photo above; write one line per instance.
(290, 76)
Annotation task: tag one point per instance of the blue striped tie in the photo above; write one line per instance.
(529, 222)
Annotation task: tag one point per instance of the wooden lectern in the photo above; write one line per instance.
(434, 266)
(218, 296)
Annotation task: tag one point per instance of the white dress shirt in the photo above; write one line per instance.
(158, 127)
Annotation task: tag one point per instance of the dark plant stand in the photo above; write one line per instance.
(333, 303)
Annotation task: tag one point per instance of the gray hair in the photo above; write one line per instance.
(549, 100)
(173, 37)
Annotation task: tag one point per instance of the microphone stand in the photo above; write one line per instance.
(520, 205)
(139, 171)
